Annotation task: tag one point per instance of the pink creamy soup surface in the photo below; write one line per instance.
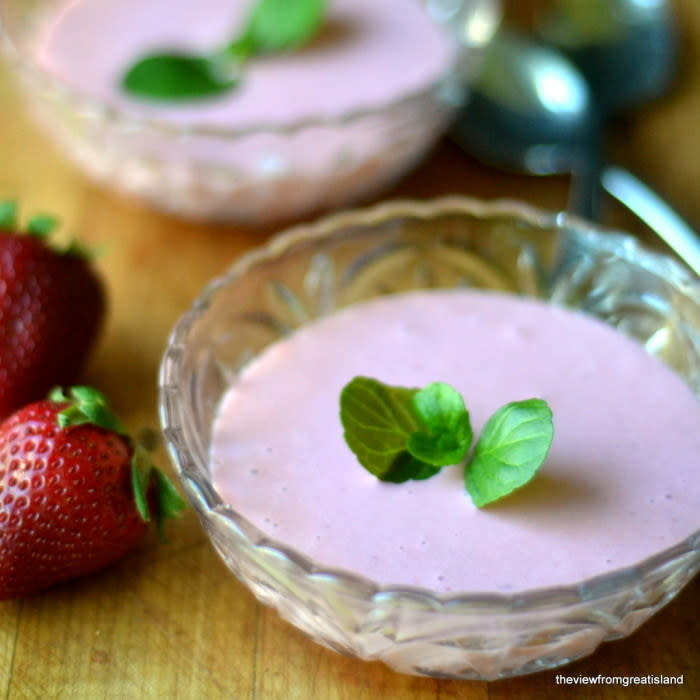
(621, 482)
(368, 54)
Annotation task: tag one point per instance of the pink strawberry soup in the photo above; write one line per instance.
(621, 481)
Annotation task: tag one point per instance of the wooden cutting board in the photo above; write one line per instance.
(170, 621)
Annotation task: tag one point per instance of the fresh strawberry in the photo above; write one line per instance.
(51, 308)
(76, 494)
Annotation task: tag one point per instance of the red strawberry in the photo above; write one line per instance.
(51, 309)
(75, 493)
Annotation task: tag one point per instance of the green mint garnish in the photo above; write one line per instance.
(447, 432)
(513, 445)
(273, 26)
(399, 433)
(279, 25)
(175, 76)
(378, 421)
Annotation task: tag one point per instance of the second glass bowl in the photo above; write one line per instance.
(258, 173)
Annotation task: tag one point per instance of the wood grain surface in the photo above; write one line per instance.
(170, 621)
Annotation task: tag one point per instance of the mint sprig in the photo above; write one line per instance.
(400, 433)
(513, 445)
(272, 26)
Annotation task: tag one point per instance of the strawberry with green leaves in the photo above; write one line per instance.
(76, 494)
(51, 308)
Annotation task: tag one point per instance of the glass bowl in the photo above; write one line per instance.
(314, 269)
(258, 173)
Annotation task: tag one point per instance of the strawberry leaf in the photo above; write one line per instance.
(168, 501)
(147, 480)
(8, 215)
(140, 478)
(148, 438)
(42, 225)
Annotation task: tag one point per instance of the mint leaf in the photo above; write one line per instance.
(512, 447)
(398, 433)
(405, 466)
(448, 433)
(176, 76)
(378, 420)
(281, 25)
(272, 26)
(169, 503)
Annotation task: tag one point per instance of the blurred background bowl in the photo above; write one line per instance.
(395, 247)
(261, 173)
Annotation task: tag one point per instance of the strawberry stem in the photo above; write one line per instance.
(85, 405)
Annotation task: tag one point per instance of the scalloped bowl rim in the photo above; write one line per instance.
(529, 600)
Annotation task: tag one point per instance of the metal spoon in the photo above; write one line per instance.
(531, 110)
(626, 50)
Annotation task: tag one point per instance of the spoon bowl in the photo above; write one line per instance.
(531, 110)
(626, 49)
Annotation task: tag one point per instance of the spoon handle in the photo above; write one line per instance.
(648, 206)
(586, 194)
